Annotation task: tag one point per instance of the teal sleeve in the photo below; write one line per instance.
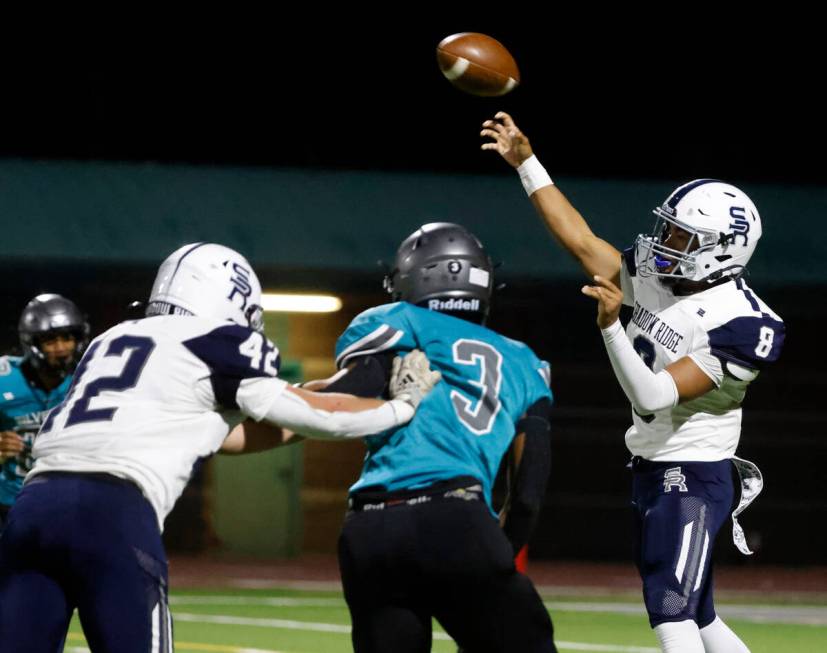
(377, 330)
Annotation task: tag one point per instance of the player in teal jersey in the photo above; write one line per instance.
(53, 335)
(421, 539)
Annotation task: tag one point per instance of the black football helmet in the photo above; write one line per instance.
(46, 316)
(443, 267)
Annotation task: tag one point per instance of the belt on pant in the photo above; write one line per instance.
(97, 476)
(464, 488)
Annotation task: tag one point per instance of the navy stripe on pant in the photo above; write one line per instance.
(679, 507)
(85, 541)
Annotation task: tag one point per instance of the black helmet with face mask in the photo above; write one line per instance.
(47, 316)
(443, 267)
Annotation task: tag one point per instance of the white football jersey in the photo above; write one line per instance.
(152, 397)
(727, 331)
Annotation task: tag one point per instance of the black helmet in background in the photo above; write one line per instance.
(443, 267)
(47, 316)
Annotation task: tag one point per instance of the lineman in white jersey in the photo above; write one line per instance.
(698, 336)
(150, 398)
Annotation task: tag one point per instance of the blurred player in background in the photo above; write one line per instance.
(421, 539)
(150, 398)
(697, 338)
(53, 335)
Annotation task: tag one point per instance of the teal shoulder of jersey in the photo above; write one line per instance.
(23, 407)
(401, 326)
(464, 427)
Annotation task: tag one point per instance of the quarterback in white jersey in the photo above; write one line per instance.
(698, 336)
(150, 398)
(726, 330)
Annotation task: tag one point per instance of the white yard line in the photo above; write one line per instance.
(307, 585)
(185, 646)
(605, 648)
(345, 630)
(280, 602)
(765, 614)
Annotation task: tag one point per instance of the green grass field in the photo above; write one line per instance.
(295, 621)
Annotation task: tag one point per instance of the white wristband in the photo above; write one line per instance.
(533, 175)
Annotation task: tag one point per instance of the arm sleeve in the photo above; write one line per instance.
(648, 391)
(529, 485)
(266, 399)
(368, 376)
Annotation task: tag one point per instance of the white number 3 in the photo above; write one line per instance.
(765, 338)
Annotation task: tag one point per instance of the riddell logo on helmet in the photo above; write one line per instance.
(454, 304)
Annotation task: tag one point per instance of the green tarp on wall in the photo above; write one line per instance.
(138, 213)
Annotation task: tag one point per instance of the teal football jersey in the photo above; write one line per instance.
(23, 407)
(465, 426)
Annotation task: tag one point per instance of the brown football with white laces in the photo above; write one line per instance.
(477, 64)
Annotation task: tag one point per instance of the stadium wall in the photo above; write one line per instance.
(96, 232)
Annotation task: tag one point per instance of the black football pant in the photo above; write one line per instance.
(447, 558)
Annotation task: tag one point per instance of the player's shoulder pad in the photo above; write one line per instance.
(374, 330)
(752, 341)
(392, 311)
(236, 351)
(741, 328)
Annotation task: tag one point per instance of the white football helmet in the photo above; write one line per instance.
(207, 280)
(723, 225)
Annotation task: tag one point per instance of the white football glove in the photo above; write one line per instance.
(412, 378)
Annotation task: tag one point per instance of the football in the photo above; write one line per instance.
(477, 64)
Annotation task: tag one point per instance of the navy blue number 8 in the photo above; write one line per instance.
(646, 350)
(140, 349)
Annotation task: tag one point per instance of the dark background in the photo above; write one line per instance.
(701, 94)
(604, 92)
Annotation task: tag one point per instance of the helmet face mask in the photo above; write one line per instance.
(50, 317)
(443, 267)
(705, 231)
(673, 248)
(208, 280)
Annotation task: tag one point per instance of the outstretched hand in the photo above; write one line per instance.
(507, 139)
(412, 378)
(609, 300)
